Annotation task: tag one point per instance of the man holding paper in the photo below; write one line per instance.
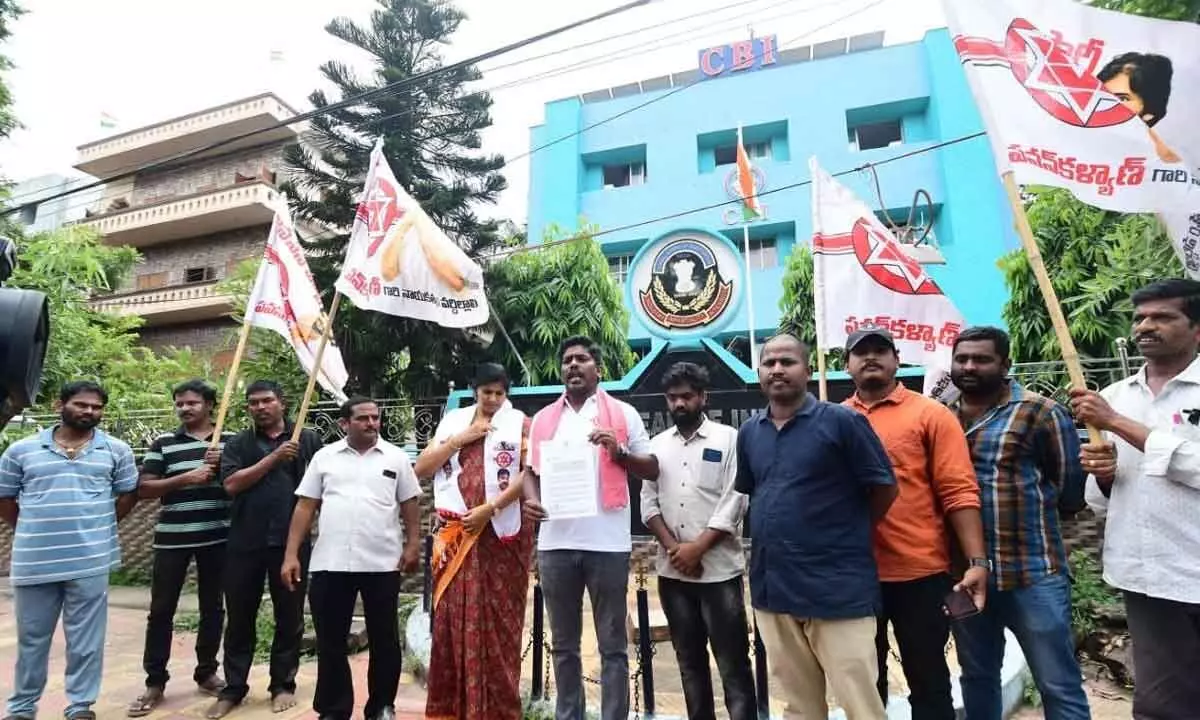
(583, 449)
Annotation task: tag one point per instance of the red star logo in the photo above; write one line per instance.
(382, 209)
(885, 261)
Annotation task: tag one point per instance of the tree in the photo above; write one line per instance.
(9, 11)
(70, 265)
(1096, 259)
(798, 306)
(1186, 10)
(431, 138)
(548, 295)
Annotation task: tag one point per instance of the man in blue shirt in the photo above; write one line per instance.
(818, 480)
(63, 492)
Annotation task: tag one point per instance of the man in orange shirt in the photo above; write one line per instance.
(937, 484)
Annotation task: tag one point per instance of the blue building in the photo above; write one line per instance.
(669, 148)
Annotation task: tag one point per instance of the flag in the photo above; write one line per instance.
(863, 277)
(1098, 102)
(107, 121)
(285, 300)
(400, 263)
(745, 181)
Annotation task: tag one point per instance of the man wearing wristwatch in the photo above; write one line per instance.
(938, 504)
(1026, 453)
(592, 552)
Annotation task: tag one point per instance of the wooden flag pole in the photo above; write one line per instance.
(230, 381)
(312, 376)
(822, 384)
(1061, 330)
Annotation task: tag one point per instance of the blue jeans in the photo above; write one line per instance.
(83, 604)
(1040, 618)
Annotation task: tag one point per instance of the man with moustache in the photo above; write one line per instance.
(181, 469)
(1148, 485)
(1026, 453)
(696, 514)
(938, 493)
(361, 485)
(63, 491)
(818, 480)
(261, 468)
(591, 552)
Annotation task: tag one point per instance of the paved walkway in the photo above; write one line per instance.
(123, 678)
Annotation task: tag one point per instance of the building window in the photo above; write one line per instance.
(624, 175)
(199, 274)
(618, 267)
(727, 154)
(763, 254)
(872, 136)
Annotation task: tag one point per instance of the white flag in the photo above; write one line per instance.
(400, 262)
(1101, 103)
(285, 300)
(864, 277)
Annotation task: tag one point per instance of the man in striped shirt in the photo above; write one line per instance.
(1026, 453)
(63, 491)
(181, 469)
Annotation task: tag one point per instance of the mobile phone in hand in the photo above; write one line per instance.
(959, 605)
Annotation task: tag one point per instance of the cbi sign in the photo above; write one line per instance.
(753, 54)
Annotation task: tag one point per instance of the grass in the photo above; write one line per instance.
(129, 577)
(1090, 595)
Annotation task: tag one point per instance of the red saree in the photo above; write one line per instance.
(475, 663)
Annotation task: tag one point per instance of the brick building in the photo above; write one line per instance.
(194, 223)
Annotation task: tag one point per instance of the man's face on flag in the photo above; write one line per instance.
(1118, 85)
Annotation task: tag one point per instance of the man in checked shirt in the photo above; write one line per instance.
(1026, 453)
(696, 515)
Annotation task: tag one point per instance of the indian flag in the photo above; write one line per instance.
(745, 181)
(107, 121)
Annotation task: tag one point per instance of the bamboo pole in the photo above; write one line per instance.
(822, 383)
(1069, 354)
(230, 381)
(312, 376)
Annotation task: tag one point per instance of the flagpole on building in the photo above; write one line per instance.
(231, 379)
(746, 261)
(1061, 331)
(326, 331)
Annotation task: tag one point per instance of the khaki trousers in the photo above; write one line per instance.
(805, 654)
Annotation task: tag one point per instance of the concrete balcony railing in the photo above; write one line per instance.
(127, 151)
(203, 213)
(170, 305)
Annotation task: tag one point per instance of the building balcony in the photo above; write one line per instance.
(203, 213)
(170, 305)
(127, 151)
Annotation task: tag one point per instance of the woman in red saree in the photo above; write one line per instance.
(481, 558)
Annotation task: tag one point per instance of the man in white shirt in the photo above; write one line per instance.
(362, 485)
(1147, 480)
(589, 551)
(696, 514)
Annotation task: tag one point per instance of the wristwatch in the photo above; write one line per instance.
(978, 562)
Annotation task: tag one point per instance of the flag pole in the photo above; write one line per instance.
(312, 376)
(231, 380)
(822, 384)
(1049, 296)
(746, 261)
(504, 331)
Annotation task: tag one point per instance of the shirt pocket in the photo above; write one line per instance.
(710, 472)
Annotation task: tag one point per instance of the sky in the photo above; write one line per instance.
(143, 61)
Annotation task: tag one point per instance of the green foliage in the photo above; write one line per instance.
(70, 265)
(129, 577)
(797, 305)
(1090, 595)
(1186, 10)
(9, 11)
(1095, 259)
(431, 133)
(547, 296)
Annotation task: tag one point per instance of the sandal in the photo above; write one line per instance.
(212, 686)
(141, 707)
(82, 715)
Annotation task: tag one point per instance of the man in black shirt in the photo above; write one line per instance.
(181, 469)
(261, 468)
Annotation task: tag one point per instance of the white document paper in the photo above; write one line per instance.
(568, 479)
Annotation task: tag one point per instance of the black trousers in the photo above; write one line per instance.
(914, 608)
(167, 579)
(245, 572)
(1166, 657)
(699, 614)
(332, 597)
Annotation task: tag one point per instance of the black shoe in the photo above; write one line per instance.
(18, 717)
(388, 713)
